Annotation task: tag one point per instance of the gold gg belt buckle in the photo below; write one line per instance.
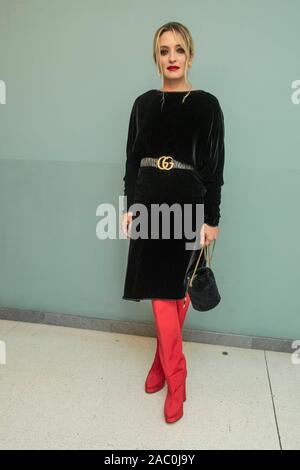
(165, 162)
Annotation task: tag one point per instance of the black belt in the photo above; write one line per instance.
(165, 162)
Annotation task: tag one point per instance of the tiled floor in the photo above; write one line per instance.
(66, 388)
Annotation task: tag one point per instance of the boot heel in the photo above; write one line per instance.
(173, 408)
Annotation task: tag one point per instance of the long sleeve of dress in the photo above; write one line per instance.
(212, 167)
(132, 158)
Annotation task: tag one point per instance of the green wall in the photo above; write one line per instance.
(72, 70)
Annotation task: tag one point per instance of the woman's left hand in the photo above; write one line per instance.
(208, 234)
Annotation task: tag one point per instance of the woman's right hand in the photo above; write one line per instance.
(126, 220)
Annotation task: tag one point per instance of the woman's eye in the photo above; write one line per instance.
(180, 50)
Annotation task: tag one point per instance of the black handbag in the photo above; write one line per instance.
(202, 286)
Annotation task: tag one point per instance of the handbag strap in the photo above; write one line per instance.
(208, 258)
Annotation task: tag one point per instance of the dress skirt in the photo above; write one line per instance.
(158, 267)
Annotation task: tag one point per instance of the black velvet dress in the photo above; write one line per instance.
(191, 130)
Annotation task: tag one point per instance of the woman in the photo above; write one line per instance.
(175, 155)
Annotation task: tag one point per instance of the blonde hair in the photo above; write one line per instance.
(188, 45)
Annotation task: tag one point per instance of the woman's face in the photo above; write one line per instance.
(171, 54)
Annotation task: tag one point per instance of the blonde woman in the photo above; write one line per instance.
(175, 154)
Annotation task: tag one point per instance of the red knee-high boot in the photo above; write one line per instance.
(155, 380)
(172, 358)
